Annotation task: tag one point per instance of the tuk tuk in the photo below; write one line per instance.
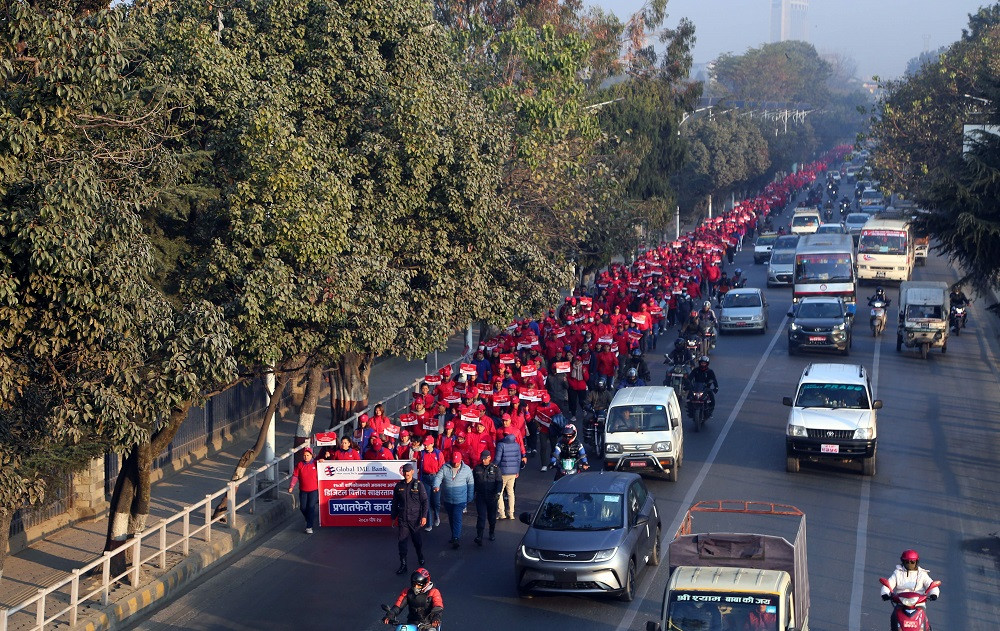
(923, 316)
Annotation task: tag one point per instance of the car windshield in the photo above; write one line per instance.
(782, 257)
(833, 396)
(702, 611)
(819, 310)
(733, 301)
(786, 242)
(637, 418)
(766, 239)
(805, 220)
(580, 511)
(857, 218)
(832, 228)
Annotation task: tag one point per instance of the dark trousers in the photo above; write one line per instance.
(576, 399)
(433, 497)
(486, 510)
(308, 503)
(410, 532)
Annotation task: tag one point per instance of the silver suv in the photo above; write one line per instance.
(592, 534)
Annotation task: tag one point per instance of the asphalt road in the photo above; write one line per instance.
(936, 489)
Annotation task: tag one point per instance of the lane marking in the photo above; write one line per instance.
(861, 547)
(633, 609)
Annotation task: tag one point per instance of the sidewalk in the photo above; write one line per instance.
(48, 561)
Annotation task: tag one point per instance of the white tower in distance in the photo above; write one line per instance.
(789, 20)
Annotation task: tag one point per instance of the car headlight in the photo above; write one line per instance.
(797, 431)
(613, 448)
(604, 555)
(530, 553)
(663, 445)
(793, 326)
(839, 327)
(863, 433)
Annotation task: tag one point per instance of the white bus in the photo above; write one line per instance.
(885, 250)
(824, 266)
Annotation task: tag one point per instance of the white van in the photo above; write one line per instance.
(805, 221)
(643, 432)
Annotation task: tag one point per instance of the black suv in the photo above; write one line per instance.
(822, 322)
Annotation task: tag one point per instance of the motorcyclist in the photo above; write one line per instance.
(909, 577)
(957, 297)
(422, 600)
(631, 380)
(680, 355)
(692, 328)
(705, 376)
(598, 399)
(739, 281)
(569, 447)
(707, 315)
(879, 295)
(638, 362)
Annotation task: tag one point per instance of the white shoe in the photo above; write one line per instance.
(544, 469)
(437, 521)
(309, 531)
(428, 528)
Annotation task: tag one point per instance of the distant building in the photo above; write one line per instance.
(789, 20)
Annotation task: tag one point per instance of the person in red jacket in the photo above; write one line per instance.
(376, 451)
(404, 448)
(346, 451)
(429, 464)
(379, 420)
(305, 474)
(446, 441)
(477, 441)
(546, 411)
(607, 362)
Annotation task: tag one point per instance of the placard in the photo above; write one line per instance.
(561, 367)
(391, 430)
(326, 439)
(357, 492)
(432, 380)
(467, 369)
(407, 420)
(501, 399)
(507, 358)
(529, 371)
(485, 389)
(639, 318)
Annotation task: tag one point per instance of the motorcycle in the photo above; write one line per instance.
(739, 282)
(408, 626)
(675, 378)
(907, 613)
(568, 466)
(699, 407)
(693, 345)
(707, 338)
(844, 206)
(593, 431)
(878, 317)
(957, 318)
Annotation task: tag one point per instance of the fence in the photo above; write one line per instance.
(61, 602)
(61, 500)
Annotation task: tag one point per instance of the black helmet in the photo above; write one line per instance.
(420, 579)
(703, 360)
(633, 373)
(879, 291)
(680, 343)
(569, 431)
(636, 352)
(601, 383)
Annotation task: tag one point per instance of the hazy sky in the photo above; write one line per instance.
(881, 35)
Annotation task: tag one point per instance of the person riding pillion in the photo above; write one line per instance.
(421, 599)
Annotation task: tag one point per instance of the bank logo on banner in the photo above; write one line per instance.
(357, 492)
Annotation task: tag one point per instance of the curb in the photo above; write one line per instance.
(118, 614)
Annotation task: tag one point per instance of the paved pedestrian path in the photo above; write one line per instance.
(49, 560)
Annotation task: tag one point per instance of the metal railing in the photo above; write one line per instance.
(64, 599)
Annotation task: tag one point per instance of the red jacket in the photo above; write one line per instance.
(346, 454)
(383, 454)
(430, 462)
(305, 474)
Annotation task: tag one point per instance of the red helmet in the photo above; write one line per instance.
(909, 555)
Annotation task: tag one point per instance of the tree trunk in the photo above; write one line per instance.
(281, 380)
(6, 516)
(487, 332)
(310, 401)
(349, 383)
(129, 511)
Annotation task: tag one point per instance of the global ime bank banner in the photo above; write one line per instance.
(357, 492)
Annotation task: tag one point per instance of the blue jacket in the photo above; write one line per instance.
(457, 487)
(508, 456)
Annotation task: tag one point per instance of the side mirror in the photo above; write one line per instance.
(525, 518)
(642, 520)
(877, 404)
(790, 314)
(786, 401)
(652, 625)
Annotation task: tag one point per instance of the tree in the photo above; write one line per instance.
(783, 71)
(724, 151)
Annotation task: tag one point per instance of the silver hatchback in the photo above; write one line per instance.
(591, 534)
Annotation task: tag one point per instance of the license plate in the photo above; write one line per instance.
(829, 449)
(741, 324)
(879, 274)
(637, 464)
(817, 338)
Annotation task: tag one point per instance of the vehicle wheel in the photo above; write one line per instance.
(958, 330)
(674, 474)
(868, 466)
(628, 593)
(791, 350)
(654, 555)
(899, 343)
(697, 418)
(791, 464)
(923, 350)
(944, 349)
(847, 350)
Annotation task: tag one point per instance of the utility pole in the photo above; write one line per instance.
(709, 205)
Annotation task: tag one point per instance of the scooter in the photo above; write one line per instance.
(957, 318)
(699, 407)
(404, 626)
(878, 316)
(707, 338)
(907, 615)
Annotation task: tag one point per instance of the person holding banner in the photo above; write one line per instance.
(305, 474)
(346, 451)
(376, 451)
(457, 490)
(409, 513)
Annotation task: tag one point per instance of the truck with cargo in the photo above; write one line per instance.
(923, 316)
(742, 565)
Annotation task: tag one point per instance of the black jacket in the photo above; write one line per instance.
(706, 377)
(487, 479)
(409, 503)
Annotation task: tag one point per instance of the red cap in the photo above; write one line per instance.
(449, 425)
(428, 440)
(546, 397)
(456, 457)
(376, 442)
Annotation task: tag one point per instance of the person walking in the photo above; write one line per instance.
(430, 463)
(487, 483)
(457, 490)
(409, 511)
(510, 458)
(305, 474)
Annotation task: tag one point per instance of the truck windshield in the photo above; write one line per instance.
(823, 268)
(882, 242)
(833, 395)
(580, 511)
(722, 611)
(805, 220)
(637, 418)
